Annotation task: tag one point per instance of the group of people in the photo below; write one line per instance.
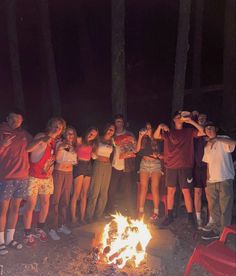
(58, 169)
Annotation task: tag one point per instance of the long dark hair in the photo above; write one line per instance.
(85, 141)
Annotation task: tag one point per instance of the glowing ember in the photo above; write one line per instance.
(124, 240)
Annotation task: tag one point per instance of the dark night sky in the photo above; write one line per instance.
(81, 36)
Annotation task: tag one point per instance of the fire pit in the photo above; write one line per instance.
(123, 242)
(158, 252)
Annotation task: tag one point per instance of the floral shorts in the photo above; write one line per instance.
(38, 186)
(13, 189)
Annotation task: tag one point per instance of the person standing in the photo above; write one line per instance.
(82, 173)
(42, 160)
(101, 174)
(179, 161)
(66, 157)
(217, 155)
(14, 167)
(150, 167)
(123, 166)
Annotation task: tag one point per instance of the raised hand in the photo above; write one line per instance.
(164, 127)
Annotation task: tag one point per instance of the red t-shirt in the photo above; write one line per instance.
(178, 148)
(14, 162)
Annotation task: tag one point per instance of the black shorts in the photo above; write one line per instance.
(200, 177)
(82, 168)
(182, 177)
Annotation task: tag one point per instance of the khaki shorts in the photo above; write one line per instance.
(38, 186)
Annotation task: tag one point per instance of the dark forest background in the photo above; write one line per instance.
(81, 43)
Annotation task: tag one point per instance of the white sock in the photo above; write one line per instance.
(198, 215)
(155, 211)
(210, 220)
(2, 240)
(10, 235)
(141, 210)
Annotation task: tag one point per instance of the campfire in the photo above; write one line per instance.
(124, 242)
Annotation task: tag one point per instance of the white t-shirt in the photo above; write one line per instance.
(219, 160)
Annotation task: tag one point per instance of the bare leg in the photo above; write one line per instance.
(144, 176)
(4, 205)
(188, 200)
(28, 212)
(156, 177)
(198, 199)
(83, 202)
(44, 207)
(170, 197)
(78, 181)
(13, 213)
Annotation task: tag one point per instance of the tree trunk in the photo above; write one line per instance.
(181, 55)
(229, 94)
(197, 52)
(49, 57)
(86, 51)
(10, 6)
(118, 58)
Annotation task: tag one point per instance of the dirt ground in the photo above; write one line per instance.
(65, 257)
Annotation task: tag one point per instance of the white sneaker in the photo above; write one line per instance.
(53, 234)
(199, 224)
(64, 229)
(208, 227)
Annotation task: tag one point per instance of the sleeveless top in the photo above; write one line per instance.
(68, 157)
(44, 167)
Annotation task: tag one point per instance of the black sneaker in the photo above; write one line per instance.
(167, 221)
(210, 235)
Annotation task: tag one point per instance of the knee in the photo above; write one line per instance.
(143, 188)
(14, 208)
(197, 192)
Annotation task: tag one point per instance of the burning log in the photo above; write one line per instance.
(124, 242)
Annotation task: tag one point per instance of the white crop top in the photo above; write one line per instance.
(104, 150)
(69, 157)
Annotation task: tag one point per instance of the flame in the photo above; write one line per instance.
(123, 240)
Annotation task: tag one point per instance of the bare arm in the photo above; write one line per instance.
(38, 140)
(196, 125)
(139, 142)
(157, 133)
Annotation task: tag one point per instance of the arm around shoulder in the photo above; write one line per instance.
(38, 139)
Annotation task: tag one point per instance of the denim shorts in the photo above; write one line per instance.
(13, 189)
(150, 166)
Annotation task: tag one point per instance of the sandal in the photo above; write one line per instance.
(15, 245)
(3, 249)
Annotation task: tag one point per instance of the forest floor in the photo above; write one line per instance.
(65, 257)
